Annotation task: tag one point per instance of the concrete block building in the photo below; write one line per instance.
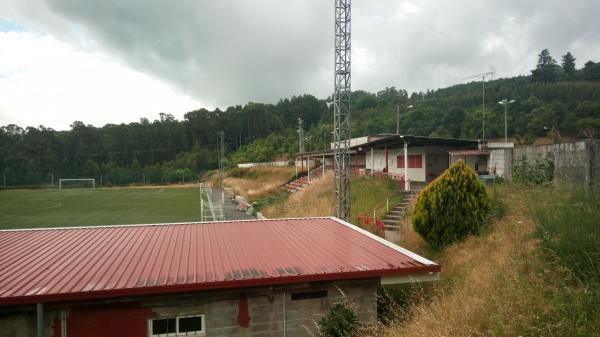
(415, 160)
(232, 278)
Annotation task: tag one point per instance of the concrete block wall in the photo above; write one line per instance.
(501, 160)
(575, 161)
(266, 308)
(220, 307)
(17, 324)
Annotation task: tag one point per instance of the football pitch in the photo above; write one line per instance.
(89, 207)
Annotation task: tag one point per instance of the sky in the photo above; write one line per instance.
(115, 61)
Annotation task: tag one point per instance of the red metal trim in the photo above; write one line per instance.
(216, 285)
(243, 316)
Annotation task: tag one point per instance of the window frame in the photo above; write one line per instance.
(177, 333)
(413, 160)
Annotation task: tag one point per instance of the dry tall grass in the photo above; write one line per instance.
(490, 285)
(258, 182)
(314, 200)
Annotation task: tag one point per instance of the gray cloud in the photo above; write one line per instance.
(231, 52)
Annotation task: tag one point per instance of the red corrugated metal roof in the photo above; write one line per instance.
(94, 262)
(468, 153)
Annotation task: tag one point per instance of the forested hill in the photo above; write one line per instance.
(556, 100)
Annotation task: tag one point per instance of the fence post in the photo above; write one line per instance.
(387, 205)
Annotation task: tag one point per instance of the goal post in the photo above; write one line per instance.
(92, 180)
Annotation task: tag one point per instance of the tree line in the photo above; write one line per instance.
(565, 103)
(158, 151)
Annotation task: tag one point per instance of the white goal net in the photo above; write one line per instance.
(76, 183)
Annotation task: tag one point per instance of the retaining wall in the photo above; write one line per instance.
(577, 161)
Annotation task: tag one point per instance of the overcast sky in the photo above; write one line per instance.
(114, 61)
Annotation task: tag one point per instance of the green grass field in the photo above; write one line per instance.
(87, 207)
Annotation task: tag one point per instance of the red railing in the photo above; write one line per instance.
(366, 221)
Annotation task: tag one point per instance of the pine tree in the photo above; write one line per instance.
(545, 59)
(568, 64)
(546, 70)
(452, 207)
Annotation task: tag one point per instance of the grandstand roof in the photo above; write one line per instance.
(77, 263)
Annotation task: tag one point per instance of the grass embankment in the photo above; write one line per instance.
(87, 207)
(314, 200)
(255, 183)
(533, 273)
(317, 198)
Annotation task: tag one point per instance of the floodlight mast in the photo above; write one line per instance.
(341, 109)
(506, 102)
(491, 73)
(221, 158)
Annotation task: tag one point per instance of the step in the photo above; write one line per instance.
(396, 212)
(392, 228)
(393, 216)
(400, 206)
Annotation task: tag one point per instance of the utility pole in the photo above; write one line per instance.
(300, 135)
(341, 109)
(221, 157)
(300, 145)
(491, 73)
(398, 117)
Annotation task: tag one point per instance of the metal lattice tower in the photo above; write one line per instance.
(221, 157)
(341, 110)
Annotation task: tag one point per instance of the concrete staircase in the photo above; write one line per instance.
(397, 213)
(393, 220)
(300, 183)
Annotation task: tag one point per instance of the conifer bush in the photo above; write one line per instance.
(452, 207)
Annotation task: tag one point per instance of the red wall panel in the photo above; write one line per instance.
(115, 320)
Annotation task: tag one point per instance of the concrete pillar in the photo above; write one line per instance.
(387, 170)
(40, 320)
(308, 167)
(372, 162)
(406, 183)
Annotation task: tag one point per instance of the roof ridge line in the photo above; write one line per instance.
(155, 224)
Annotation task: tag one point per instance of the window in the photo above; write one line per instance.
(309, 295)
(414, 161)
(400, 161)
(163, 326)
(177, 326)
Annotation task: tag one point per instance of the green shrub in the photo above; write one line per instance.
(341, 321)
(540, 172)
(452, 207)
